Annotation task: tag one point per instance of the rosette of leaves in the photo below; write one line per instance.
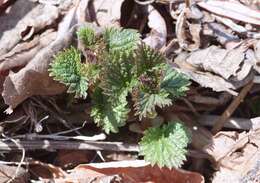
(123, 69)
(165, 145)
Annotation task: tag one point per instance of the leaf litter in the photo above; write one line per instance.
(216, 43)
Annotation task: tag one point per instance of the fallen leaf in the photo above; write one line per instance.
(231, 24)
(180, 29)
(17, 87)
(22, 53)
(158, 34)
(23, 20)
(71, 158)
(221, 33)
(133, 171)
(219, 61)
(46, 171)
(236, 155)
(233, 10)
(8, 172)
(205, 79)
(195, 30)
(105, 13)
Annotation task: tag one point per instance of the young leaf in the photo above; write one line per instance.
(68, 69)
(109, 115)
(146, 59)
(145, 103)
(121, 41)
(87, 36)
(166, 145)
(174, 82)
(117, 77)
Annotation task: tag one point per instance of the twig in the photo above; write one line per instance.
(22, 159)
(231, 108)
(69, 145)
(13, 121)
(34, 136)
(233, 123)
(72, 145)
(190, 105)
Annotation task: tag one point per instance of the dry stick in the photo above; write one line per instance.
(231, 108)
(76, 145)
(232, 123)
(6, 145)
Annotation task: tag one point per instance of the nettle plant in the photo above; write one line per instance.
(121, 74)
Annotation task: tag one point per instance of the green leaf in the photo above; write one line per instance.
(117, 77)
(68, 69)
(87, 36)
(121, 40)
(147, 59)
(166, 145)
(174, 82)
(145, 103)
(109, 115)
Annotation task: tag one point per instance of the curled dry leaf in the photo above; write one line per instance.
(8, 172)
(133, 171)
(218, 68)
(105, 13)
(219, 61)
(231, 24)
(22, 21)
(205, 79)
(46, 171)
(22, 53)
(158, 34)
(237, 156)
(233, 10)
(180, 29)
(25, 83)
(194, 28)
(221, 33)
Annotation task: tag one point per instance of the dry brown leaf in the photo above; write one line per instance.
(46, 171)
(223, 143)
(231, 24)
(219, 61)
(71, 158)
(8, 172)
(205, 79)
(132, 172)
(22, 53)
(180, 29)
(233, 10)
(195, 30)
(237, 156)
(194, 13)
(183, 36)
(223, 35)
(105, 13)
(22, 20)
(34, 78)
(158, 34)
